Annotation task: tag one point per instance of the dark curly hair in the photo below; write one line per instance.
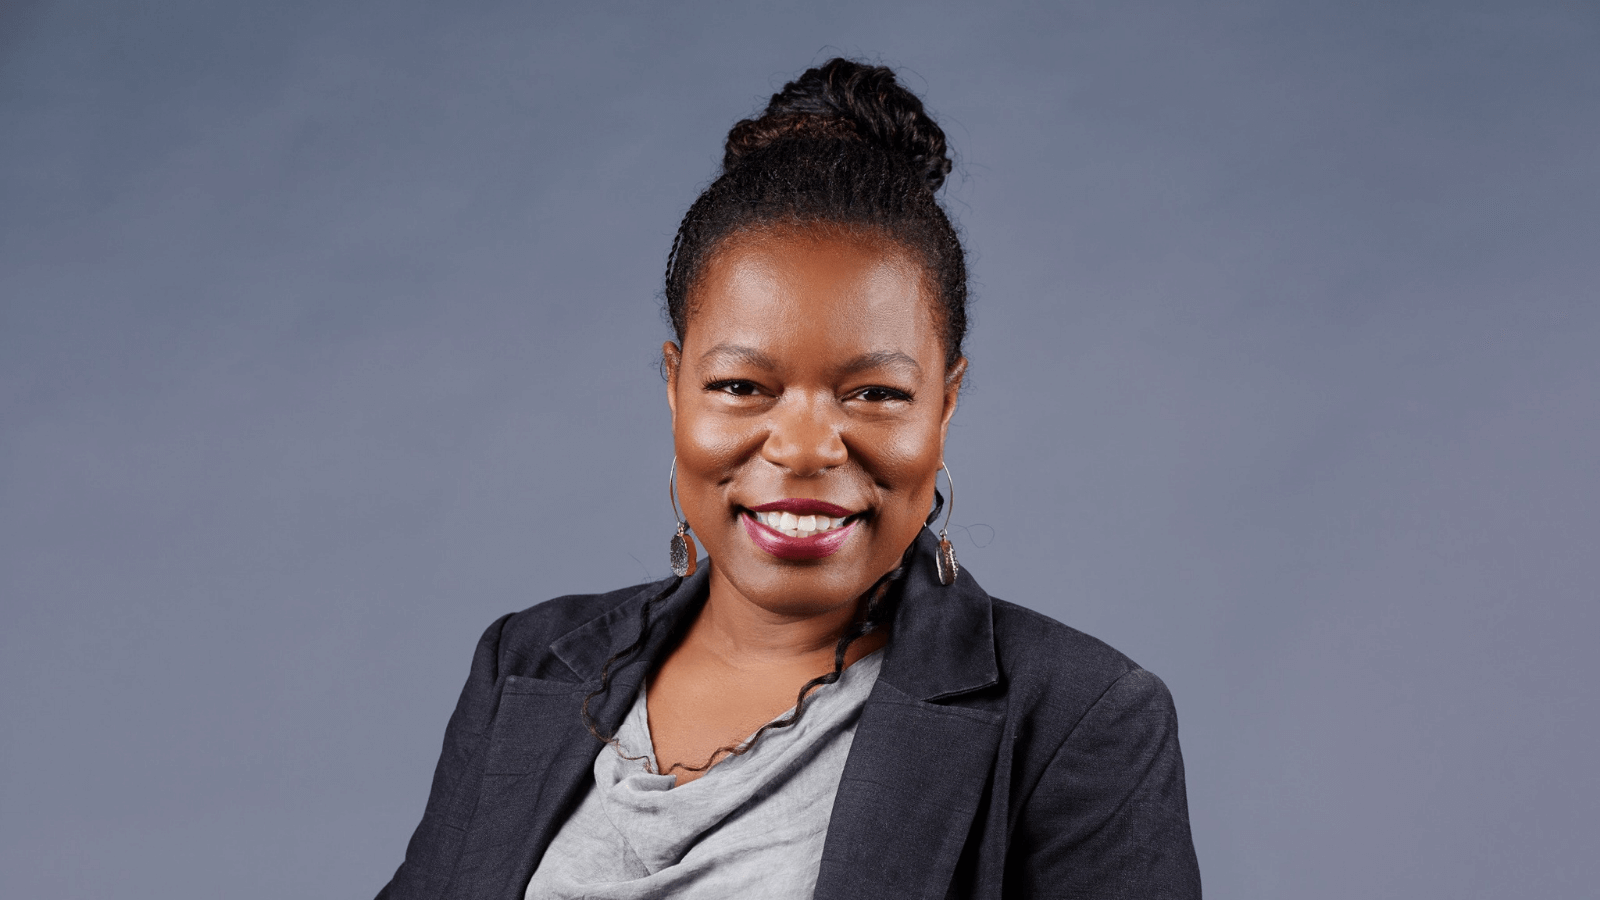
(845, 145)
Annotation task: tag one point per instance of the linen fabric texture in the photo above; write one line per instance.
(752, 826)
(1000, 754)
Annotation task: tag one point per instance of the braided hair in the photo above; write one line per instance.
(845, 145)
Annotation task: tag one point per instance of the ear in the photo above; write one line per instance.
(671, 358)
(952, 393)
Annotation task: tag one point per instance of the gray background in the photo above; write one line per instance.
(328, 333)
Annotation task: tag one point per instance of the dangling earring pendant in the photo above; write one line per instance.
(682, 554)
(948, 568)
(947, 561)
(681, 551)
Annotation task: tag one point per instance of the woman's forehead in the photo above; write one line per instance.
(824, 291)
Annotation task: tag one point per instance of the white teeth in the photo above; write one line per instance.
(798, 526)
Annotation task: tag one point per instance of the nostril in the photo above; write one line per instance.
(805, 450)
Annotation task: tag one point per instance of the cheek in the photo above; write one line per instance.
(903, 453)
(709, 443)
(904, 463)
(710, 449)
(911, 450)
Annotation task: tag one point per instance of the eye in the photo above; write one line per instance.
(878, 394)
(736, 387)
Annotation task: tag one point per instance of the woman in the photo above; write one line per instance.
(828, 705)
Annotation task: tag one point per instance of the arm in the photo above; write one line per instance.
(431, 854)
(1109, 818)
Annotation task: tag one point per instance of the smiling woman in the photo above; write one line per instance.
(825, 707)
(813, 372)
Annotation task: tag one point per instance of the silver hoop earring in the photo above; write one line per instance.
(947, 554)
(681, 551)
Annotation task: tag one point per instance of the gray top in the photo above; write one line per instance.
(752, 825)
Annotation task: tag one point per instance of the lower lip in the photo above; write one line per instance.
(783, 546)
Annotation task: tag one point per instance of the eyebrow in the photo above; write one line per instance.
(880, 359)
(876, 359)
(739, 353)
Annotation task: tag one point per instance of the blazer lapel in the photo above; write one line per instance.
(533, 774)
(914, 780)
(538, 763)
(918, 769)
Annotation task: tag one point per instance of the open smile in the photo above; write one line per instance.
(799, 529)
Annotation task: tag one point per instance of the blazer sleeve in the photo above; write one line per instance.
(430, 856)
(1109, 817)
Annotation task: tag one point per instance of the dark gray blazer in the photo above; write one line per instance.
(1001, 754)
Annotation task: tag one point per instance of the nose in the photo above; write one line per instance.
(805, 436)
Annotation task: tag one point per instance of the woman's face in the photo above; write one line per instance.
(810, 402)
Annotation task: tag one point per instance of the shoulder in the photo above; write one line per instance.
(1098, 802)
(1030, 644)
(521, 641)
(1031, 637)
(1055, 671)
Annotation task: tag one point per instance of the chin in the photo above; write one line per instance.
(795, 588)
(801, 579)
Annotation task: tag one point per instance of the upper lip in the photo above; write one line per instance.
(800, 506)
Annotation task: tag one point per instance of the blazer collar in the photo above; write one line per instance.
(942, 646)
(942, 643)
(899, 822)
(943, 639)
(586, 648)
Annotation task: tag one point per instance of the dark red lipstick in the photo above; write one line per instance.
(785, 546)
(802, 507)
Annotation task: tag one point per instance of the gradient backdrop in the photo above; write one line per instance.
(328, 333)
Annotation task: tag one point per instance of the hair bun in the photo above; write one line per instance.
(844, 100)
